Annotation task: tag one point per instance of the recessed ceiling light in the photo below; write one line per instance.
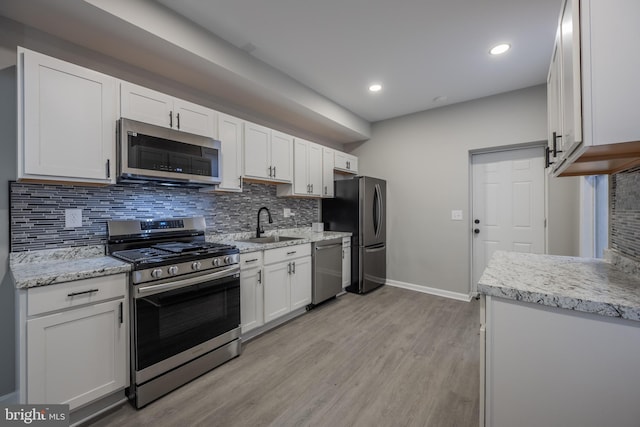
(440, 98)
(376, 87)
(500, 49)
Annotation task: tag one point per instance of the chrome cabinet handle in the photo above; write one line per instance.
(108, 168)
(251, 260)
(178, 120)
(274, 171)
(170, 119)
(289, 268)
(294, 268)
(291, 253)
(270, 171)
(259, 276)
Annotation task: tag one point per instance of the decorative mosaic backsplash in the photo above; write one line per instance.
(624, 226)
(38, 210)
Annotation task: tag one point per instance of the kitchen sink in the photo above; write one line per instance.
(269, 239)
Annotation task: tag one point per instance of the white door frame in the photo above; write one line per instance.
(473, 289)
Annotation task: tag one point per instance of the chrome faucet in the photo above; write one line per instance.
(260, 230)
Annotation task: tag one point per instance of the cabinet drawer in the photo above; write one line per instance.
(57, 297)
(287, 252)
(250, 260)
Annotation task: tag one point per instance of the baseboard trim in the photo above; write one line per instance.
(428, 290)
(9, 399)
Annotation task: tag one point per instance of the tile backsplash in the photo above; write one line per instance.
(624, 220)
(38, 210)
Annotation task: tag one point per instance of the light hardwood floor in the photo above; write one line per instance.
(392, 357)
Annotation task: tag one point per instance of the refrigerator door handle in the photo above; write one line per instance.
(376, 248)
(377, 210)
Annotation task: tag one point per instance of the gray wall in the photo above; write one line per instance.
(425, 159)
(7, 172)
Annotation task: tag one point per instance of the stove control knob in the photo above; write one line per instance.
(196, 266)
(227, 260)
(216, 262)
(173, 270)
(156, 273)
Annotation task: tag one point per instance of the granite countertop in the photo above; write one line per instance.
(52, 266)
(583, 284)
(305, 235)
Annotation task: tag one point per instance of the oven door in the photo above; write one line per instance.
(177, 321)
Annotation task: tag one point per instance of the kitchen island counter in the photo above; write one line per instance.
(580, 284)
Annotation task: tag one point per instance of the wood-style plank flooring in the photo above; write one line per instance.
(392, 357)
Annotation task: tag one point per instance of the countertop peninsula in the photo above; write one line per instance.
(582, 284)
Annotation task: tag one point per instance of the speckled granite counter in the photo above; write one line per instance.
(582, 284)
(305, 235)
(49, 267)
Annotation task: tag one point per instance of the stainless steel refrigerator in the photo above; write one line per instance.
(359, 206)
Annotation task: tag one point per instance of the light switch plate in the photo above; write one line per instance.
(456, 215)
(287, 212)
(72, 218)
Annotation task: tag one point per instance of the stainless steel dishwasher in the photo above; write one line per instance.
(327, 270)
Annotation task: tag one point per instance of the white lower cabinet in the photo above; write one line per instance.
(251, 291)
(276, 290)
(274, 283)
(76, 341)
(547, 366)
(346, 262)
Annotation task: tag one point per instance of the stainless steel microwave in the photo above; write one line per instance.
(152, 153)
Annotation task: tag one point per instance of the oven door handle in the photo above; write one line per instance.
(154, 289)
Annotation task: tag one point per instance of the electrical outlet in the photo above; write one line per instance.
(456, 215)
(287, 213)
(72, 218)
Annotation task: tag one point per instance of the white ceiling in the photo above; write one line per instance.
(417, 49)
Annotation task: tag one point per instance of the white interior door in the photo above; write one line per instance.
(508, 204)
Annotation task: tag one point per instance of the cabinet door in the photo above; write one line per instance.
(571, 86)
(257, 158)
(77, 356)
(282, 156)
(300, 283)
(67, 118)
(300, 167)
(146, 105)
(346, 266)
(554, 106)
(230, 136)
(328, 163)
(346, 162)
(251, 299)
(276, 290)
(194, 118)
(314, 167)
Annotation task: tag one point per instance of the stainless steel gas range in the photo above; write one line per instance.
(185, 302)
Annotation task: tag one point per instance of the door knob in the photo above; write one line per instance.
(477, 221)
(476, 230)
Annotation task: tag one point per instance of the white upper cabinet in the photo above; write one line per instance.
(150, 106)
(268, 154)
(599, 87)
(67, 117)
(554, 106)
(346, 162)
(328, 164)
(230, 136)
(307, 170)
